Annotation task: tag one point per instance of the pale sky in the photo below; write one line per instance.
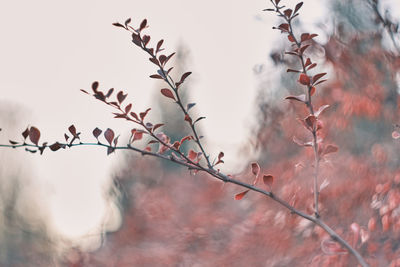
(51, 49)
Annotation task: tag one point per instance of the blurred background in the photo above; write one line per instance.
(80, 207)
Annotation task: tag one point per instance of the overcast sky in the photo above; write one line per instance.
(51, 49)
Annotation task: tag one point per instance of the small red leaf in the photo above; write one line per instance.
(311, 121)
(137, 136)
(241, 195)
(25, 133)
(155, 127)
(291, 70)
(95, 85)
(72, 130)
(291, 38)
(56, 146)
(109, 135)
(284, 27)
(304, 79)
(305, 37)
(143, 114)
(34, 135)
(312, 90)
(311, 66)
(287, 12)
(308, 62)
(330, 149)
(303, 48)
(184, 76)
(154, 60)
(192, 155)
(220, 156)
(168, 93)
(159, 44)
(156, 76)
(188, 119)
(97, 132)
(121, 97)
(298, 6)
(128, 108)
(301, 98)
(255, 168)
(316, 77)
(143, 24)
(268, 180)
(13, 142)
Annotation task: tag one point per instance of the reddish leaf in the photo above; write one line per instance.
(186, 138)
(121, 97)
(311, 121)
(143, 114)
(72, 130)
(127, 22)
(301, 98)
(188, 119)
(291, 38)
(156, 76)
(157, 126)
(146, 39)
(109, 135)
(168, 93)
(192, 155)
(143, 24)
(95, 85)
(291, 70)
(220, 156)
(308, 62)
(97, 132)
(304, 37)
(303, 48)
(159, 44)
(118, 25)
(154, 60)
(321, 81)
(298, 6)
(128, 108)
(284, 27)
(312, 91)
(25, 133)
(34, 135)
(137, 136)
(304, 79)
(184, 76)
(241, 195)
(116, 141)
(255, 168)
(56, 146)
(287, 12)
(134, 115)
(66, 137)
(311, 66)
(330, 149)
(13, 142)
(268, 180)
(316, 77)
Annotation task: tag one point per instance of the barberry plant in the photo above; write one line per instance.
(197, 159)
